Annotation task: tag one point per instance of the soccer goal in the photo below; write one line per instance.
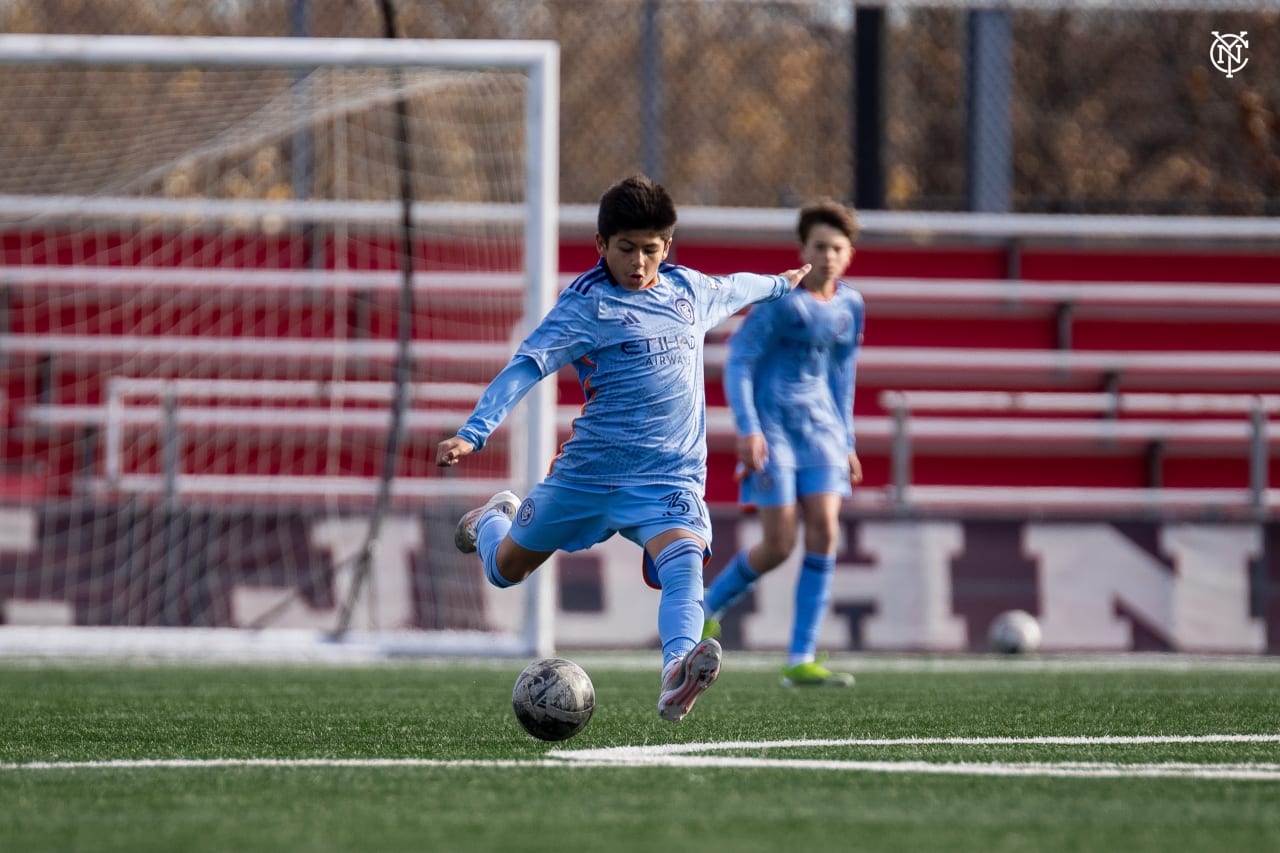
(248, 284)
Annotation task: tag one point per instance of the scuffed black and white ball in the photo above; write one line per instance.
(553, 699)
(1014, 632)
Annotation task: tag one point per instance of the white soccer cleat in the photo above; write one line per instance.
(464, 535)
(684, 679)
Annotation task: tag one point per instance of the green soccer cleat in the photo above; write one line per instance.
(814, 674)
(710, 629)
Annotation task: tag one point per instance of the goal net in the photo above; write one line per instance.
(248, 285)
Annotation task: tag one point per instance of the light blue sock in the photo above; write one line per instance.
(680, 608)
(490, 532)
(813, 594)
(731, 585)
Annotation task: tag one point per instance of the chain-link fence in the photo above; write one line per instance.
(1120, 107)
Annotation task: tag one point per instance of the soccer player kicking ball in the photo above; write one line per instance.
(789, 380)
(635, 463)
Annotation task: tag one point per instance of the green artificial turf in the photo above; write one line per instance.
(461, 712)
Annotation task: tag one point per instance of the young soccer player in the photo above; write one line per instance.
(635, 462)
(789, 380)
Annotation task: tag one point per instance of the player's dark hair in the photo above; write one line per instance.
(636, 204)
(828, 212)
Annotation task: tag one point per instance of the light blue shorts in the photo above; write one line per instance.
(560, 517)
(781, 486)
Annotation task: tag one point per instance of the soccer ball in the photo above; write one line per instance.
(1014, 632)
(553, 699)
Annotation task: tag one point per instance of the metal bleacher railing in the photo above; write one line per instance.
(1247, 381)
(914, 424)
(1234, 423)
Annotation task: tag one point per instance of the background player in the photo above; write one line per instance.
(635, 462)
(789, 380)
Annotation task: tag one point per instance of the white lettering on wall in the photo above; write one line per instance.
(909, 586)
(1086, 569)
(17, 531)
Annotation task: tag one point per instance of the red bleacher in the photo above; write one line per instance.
(1079, 319)
(955, 317)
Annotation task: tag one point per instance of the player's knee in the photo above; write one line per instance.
(512, 564)
(772, 552)
(512, 574)
(820, 539)
(503, 573)
(820, 533)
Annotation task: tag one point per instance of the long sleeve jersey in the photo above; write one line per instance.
(638, 355)
(790, 375)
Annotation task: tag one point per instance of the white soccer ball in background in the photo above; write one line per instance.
(1014, 632)
(553, 699)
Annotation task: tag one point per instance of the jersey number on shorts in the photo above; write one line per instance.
(678, 504)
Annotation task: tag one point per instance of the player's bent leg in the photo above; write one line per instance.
(512, 563)
(553, 517)
(484, 530)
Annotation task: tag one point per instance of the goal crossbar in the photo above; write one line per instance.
(273, 52)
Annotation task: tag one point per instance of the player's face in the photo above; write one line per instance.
(829, 251)
(633, 256)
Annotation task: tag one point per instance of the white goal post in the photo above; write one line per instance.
(161, 190)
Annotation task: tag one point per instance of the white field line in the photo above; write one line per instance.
(866, 663)
(689, 755)
(1247, 772)
(180, 763)
(1253, 772)
(622, 753)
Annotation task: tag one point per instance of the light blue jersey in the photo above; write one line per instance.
(639, 358)
(790, 376)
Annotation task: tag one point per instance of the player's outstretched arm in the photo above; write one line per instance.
(452, 450)
(796, 276)
(727, 295)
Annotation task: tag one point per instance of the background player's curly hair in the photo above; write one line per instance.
(827, 212)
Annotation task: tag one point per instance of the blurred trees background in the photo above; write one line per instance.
(750, 102)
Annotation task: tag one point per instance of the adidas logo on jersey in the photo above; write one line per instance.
(629, 319)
